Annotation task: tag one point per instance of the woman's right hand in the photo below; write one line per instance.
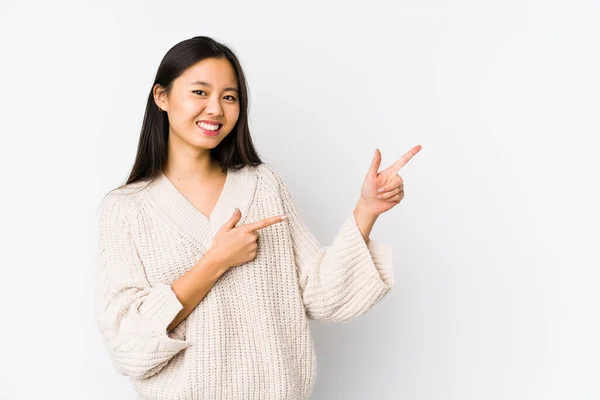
(233, 246)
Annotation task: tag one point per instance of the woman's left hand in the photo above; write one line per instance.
(376, 203)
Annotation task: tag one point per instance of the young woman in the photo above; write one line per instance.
(204, 285)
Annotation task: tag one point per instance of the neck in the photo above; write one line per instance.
(185, 164)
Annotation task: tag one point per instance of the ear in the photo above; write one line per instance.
(160, 97)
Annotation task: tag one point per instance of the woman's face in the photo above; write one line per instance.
(206, 94)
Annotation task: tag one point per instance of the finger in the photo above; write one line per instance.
(233, 220)
(397, 181)
(396, 199)
(399, 197)
(405, 158)
(265, 222)
(389, 195)
(375, 163)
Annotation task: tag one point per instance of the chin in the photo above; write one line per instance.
(206, 143)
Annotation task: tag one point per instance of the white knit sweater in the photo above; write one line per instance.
(249, 337)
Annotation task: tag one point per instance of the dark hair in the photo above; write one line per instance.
(235, 151)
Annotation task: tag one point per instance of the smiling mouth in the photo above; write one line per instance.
(209, 129)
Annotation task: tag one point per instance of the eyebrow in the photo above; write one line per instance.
(210, 86)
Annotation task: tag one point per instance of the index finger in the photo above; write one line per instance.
(254, 226)
(406, 158)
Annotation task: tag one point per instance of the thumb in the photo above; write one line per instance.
(376, 163)
(230, 223)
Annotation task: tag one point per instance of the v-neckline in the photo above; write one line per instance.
(207, 217)
(238, 191)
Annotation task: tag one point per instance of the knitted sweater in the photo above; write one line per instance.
(249, 337)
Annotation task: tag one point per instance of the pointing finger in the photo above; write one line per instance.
(265, 222)
(405, 158)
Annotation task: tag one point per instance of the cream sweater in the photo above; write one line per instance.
(249, 337)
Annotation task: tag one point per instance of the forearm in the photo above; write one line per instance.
(364, 221)
(191, 288)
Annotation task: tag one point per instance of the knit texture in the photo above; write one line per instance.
(249, 337)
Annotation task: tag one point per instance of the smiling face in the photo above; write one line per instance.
(202, 99)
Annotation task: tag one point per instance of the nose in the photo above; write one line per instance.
(214, 106)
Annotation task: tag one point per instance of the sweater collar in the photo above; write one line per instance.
(238, 191)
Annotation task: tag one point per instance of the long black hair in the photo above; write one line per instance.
(235, 151)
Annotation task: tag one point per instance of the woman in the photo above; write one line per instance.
(204, 285)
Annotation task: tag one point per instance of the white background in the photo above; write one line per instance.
(495, 244)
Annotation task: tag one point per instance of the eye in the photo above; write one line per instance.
(231, 98)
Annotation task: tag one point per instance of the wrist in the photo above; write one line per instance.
(364, 220)
(361, 210)
(210, 261)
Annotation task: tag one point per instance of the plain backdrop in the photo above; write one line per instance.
(495, 244)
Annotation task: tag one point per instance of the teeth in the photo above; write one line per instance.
(209, 127)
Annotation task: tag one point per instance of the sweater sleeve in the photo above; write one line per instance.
(131, 314)
(341, 281)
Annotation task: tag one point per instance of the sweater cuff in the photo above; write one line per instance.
(161, 308)
(380, 254)
(382, 258)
